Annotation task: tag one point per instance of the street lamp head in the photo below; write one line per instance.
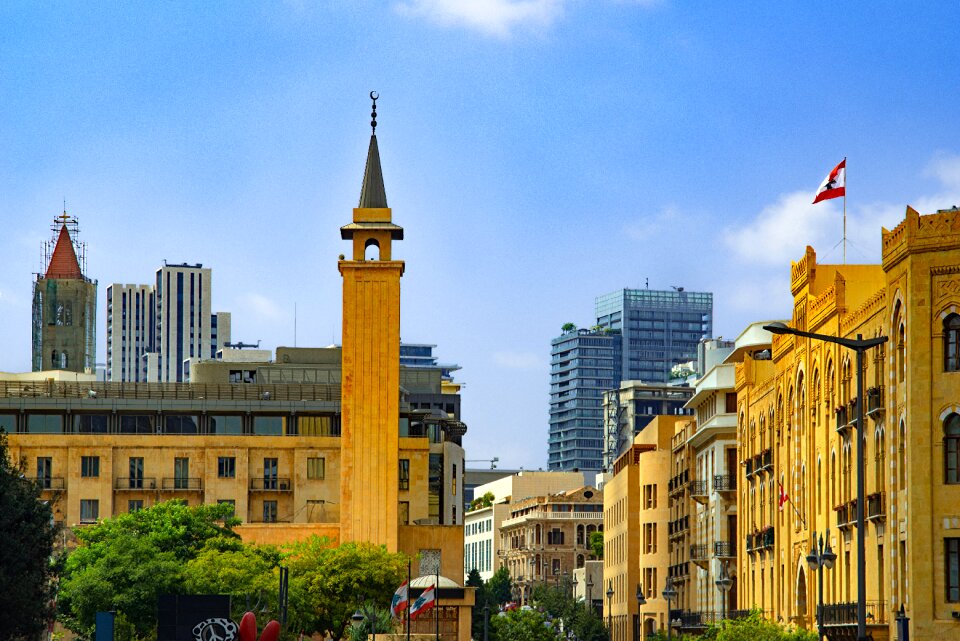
(828, 556)
(357, 617)
(777, 327)
(724, 582)
(669, 592)
(610, 590)
(641, 600)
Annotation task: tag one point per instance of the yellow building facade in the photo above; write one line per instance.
(797, 430)
(351, 459)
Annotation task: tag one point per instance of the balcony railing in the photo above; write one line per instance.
(724, 549)
(724, 483)
(700, 552)
(766, 460)
(49, 482)
(678, 526)
(698, 490)
(679, 570)
(182, 483)
(135, 483)
(749, 467)
(679, 482)
(691, 619)
(875, 402)
(846, 613)
(846, 515)
(270, 484)
(875, 507)
(842, 422)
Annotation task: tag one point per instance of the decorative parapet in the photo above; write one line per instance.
(854, 319)
(917, 234)
(801, 272)
(781, 344)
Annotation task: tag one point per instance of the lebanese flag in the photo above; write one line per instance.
(424, 602)
(783, 496)
(834, 185)
(400, 600)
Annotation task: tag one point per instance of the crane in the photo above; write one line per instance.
(492, 461)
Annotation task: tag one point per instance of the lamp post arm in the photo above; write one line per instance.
(852, 343)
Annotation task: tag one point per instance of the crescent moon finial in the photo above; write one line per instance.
(374, 95)
(373, 114)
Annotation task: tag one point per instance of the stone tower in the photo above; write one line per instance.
(64, 305)
(370, 394)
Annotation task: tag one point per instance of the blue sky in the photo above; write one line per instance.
(537, 152)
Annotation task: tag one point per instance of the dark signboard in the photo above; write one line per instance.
(192, 617)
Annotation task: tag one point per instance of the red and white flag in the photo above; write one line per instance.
(835, 184)
(424, 602)
(400, 599)
(784, 499)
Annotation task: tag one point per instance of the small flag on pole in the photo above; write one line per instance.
(400, 600)
(834, 185)
(784, 499)
(424, 602)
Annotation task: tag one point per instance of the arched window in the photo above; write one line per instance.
(64, 360)
(54, 358)
(951, 343)
(951, 449)
(371, 249)
(879, 461)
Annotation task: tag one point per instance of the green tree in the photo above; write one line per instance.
(242, 571)
(482, 598)
(596, 544)
(126, 562)
(582, 621)
(26, 571)
(755, 628)
(482, 501)
(522, 625)
(568, 327)
(500, 586)
(327, 582)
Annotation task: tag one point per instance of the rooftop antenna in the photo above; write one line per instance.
(294, 324)
(648, 282)
(373, 114)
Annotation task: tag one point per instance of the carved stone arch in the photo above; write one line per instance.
(802, 590)
(896, 304)
(947, 411)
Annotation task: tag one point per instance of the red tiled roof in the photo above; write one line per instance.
(63, 263)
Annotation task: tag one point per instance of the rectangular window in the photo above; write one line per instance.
(269, 511)
(181, 473)
(404, 512)
(90, 424)
(650, 538)
(8, 423)
(89, 510)
(136, 472)
(89, 466)
(318, 425)
(226, 425)
(45, 471)
(44, 423)
(731, 403)
(226, 467)
(136, 424)
(650, 497)
(453, 479)
(268, 425)
(952, 567)
(270, 471)
(316, 468)
(404, 474)
(180, 423)
(134, 505)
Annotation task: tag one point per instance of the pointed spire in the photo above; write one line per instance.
(372, 193)
(63, 263)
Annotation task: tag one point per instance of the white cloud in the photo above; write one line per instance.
(655, 226)
(946, 168)
(518, 360)
(498, 18)
(259, 306)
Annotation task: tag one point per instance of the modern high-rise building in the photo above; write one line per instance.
(660, 329)
(583, 363)
(64, 304)
(153, 330)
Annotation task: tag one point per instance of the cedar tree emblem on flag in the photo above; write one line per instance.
(835, 184)
(424, 602)
(399, 602)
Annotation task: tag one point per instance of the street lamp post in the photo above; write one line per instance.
(669, 593)
(820, 559)
(641, 601)
(486, 621)
(610, 608)
(589, 593)
(724, 583)
(859, 345)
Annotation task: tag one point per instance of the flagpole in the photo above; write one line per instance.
(844, 210)
(408, 599)
(436, 603)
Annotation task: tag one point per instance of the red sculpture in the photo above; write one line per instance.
(248, 629)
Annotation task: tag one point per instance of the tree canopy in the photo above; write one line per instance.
(26, 568)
